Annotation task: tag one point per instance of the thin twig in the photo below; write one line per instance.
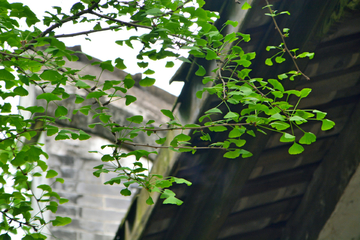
(223, 82)
(284, 42)
(186, 128)
(19, 133)
(129, 24)
(68, 19)
(20, 222)
(19, 56)
(179, 147)
(85, 32)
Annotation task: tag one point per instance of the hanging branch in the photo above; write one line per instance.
(284, 42)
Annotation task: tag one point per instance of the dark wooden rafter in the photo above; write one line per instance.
(336, 170)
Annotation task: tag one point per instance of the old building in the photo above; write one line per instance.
(96, 209)
(272, 195)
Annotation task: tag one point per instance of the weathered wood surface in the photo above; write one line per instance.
(328, 183)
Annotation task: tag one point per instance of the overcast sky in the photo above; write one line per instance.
(103, 46)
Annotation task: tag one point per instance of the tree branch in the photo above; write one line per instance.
(283, 40)
(85, 32)
(187, 128)
(129, 24)
(20, 222)
(179, 147)
(75, 16)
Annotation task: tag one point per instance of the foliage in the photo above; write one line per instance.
(36, 57)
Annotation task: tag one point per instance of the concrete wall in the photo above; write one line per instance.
(96, 209)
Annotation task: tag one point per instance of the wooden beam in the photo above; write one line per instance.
(328, 184)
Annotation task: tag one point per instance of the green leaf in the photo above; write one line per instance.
(210, 54)
(79, 99)
(232, 154)
(213, 110)
(135, 119)
(42, 165)
(96, 94)
(170, 197)
(319, 114)
(232, 115)
(51, 75)
(107, 65)
(297, 118)
(308, 138)
(129, 81)
(327, 124)
(97, 26)
(243, 62)
(147, 82)
(306, 54)
(60, 180)
(107, 158)
(280, 125)
(200, 2)
(305, 92)
(238, 142)
(246, 6)
(149, 72)
(183, 137)
(125, 192)
(285, 12)
(161, 141)
(268, 48)
(120, 64)
(268, 62)
(129, 99)
(61, 221)
(149, 201)
(279, 59)
(61, 111)
(168, 113)
(286, 137)
(232, 23)
(282, 76)
(296, 149)
(169, 64)
(201, 71)
(5, 236)
(48, 97)
(6, 75)
(81, 84)
(143, 64)
(181, 180)
(63, 200)
(83, 135)
(276, 84)
(236, 132)
(27, 237)
(21, 91)
(218, 129)
(230, 37)
(184, 59)
(51, 174)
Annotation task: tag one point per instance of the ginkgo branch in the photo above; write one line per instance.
(284, 42)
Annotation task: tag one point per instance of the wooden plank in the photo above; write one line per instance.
(278, 180)
(269, 197)
(272, 210)
(322, 195)
(272, 232)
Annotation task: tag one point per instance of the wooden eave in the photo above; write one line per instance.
(272, 195)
